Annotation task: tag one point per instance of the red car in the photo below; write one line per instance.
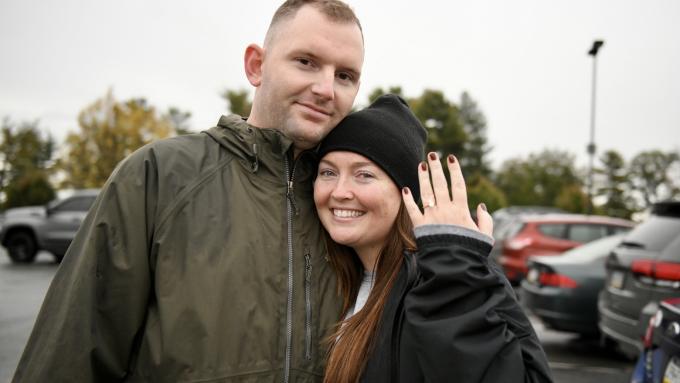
(552, 234)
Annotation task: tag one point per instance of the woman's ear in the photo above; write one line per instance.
(253, 64)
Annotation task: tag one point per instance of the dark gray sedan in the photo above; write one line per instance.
(562, 290)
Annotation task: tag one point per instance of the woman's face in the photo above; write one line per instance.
(356, 200)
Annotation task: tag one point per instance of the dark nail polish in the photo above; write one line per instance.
(433, 156)
(423, 166)
(483, 205)
(451, 159)
(405, 191)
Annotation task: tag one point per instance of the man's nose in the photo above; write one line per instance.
(324, 86)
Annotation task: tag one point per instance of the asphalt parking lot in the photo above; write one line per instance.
(22, 288)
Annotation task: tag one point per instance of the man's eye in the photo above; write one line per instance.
(365, 175)
(343, 76)
(304, 61)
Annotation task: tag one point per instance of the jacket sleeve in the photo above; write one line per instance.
(95, 307)
(462, 316)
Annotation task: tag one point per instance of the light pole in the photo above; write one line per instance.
(597, 44)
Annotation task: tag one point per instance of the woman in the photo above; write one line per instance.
(421, 301)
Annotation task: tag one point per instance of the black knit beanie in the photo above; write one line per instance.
(388, 134)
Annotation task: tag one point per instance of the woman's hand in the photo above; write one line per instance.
(440, 206)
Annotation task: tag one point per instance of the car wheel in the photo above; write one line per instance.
(21, 247)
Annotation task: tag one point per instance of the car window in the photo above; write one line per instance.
(583, 232)
(81, 204)
(655, 233)
(555, 230)
(617, 229)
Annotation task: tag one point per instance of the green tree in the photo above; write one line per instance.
(613, 186)
(440, 118)
(538, 179)
(650, 176)
(573, 199)
(483, 190)
(238, 101)
(377, 92)
(474, 158)
(32, 188)
(25, 156)
(109, 131)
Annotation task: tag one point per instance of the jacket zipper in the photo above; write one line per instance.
(308, 305)
(289, 305)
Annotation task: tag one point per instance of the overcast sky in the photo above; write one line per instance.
(524, 62)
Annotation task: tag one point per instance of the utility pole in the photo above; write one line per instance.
(591, 148)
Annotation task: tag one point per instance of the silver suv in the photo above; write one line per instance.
(27, 230)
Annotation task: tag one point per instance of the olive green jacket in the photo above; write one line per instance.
(198, 262)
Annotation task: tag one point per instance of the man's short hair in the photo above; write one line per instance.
(334, 10)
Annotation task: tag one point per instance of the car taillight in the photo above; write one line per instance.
(666, 271)
(556, 280)
(654, 321)
(517, 243)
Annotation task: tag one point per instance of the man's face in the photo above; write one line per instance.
(309, 77)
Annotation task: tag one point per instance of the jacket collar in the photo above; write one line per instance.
(261, 150)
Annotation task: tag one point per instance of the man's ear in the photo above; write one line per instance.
(253, 64)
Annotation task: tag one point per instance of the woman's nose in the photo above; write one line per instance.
(342, 190)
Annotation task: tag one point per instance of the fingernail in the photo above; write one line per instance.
(451, 158)
(433, 156)
(483, 206)
(405, 190)
(423, 166)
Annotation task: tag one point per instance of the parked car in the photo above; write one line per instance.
(27, 230)
(503, 219)
(552, 234)
(643, 270)
(659, 361)
(562, 290)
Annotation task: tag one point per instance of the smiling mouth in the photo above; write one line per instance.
(344, 213)
(315, 108)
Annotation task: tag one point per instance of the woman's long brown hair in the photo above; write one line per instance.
(353, 339)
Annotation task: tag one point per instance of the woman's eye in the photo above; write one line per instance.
(365, 175)
(326, 173)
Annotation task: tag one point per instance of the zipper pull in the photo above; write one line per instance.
(291, 198)
(308, 267)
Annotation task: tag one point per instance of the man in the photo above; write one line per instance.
(202, 258)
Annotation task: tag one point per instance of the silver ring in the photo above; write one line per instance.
(429, 203)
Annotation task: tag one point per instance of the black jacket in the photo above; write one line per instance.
(453, 317)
